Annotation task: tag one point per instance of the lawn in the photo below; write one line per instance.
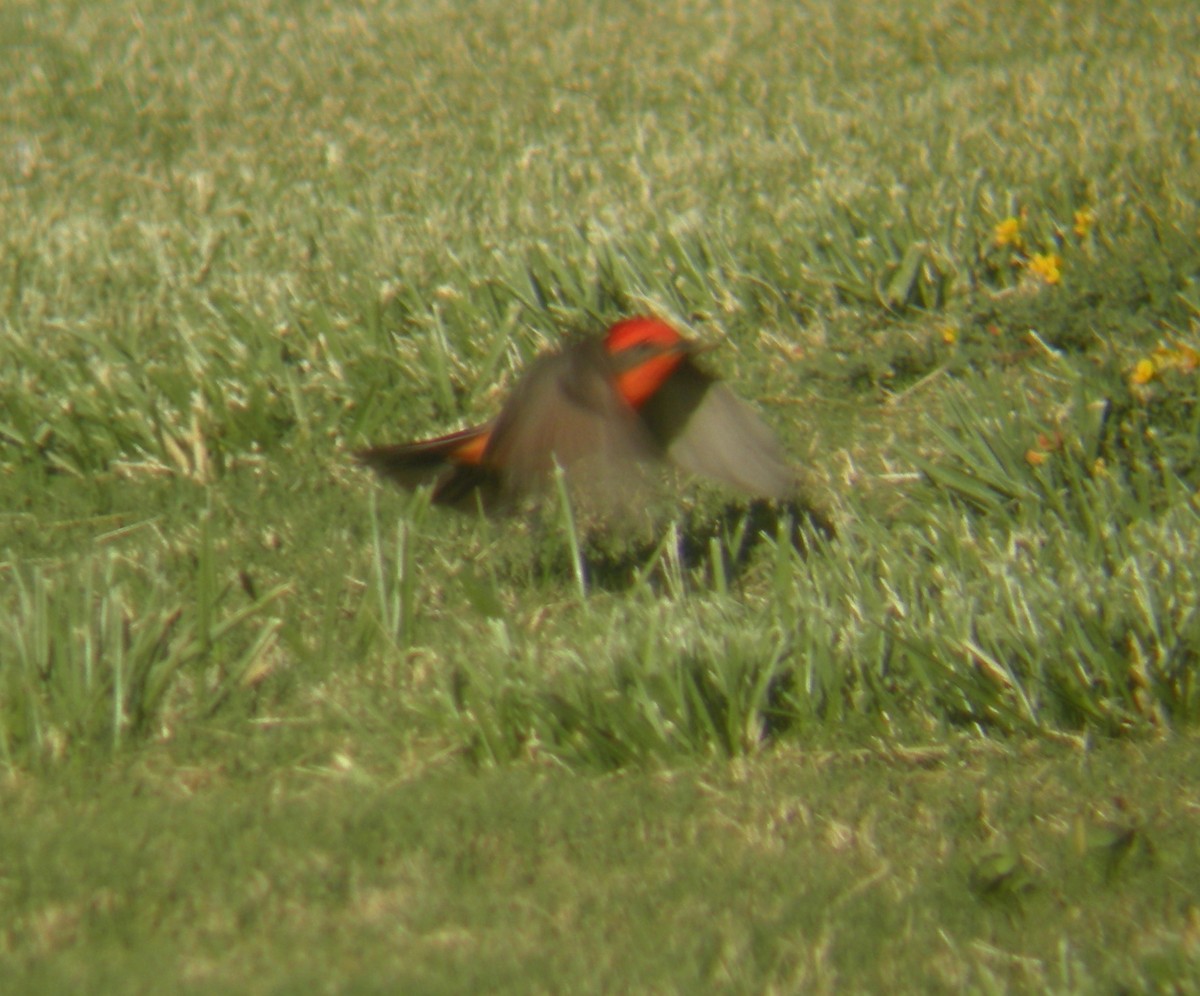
(269, 725)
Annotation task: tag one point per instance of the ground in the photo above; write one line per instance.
(266, 724)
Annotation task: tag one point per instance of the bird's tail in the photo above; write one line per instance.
(428, 462)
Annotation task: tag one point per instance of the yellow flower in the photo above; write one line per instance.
(1046, 444)
(1144, 372)
(1047, 265)
(1178, 356)
(949, 334)
(1085, 221)
(1183, 358)
(1008, 233)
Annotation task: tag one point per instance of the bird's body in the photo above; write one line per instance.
(602, 408)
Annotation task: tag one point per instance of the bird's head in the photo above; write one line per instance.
(645, 352)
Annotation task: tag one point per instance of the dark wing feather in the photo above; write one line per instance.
(707, 430)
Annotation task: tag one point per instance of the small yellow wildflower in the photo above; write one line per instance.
(949, 334)
(1085, 221)
(1144, 372)
(1182, 358)
(1178, 356)
(1047, 265)
(1045, 445)
(1008, 233)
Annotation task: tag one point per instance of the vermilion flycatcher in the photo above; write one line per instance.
(601, 408)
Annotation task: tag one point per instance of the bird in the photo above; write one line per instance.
(606, 409)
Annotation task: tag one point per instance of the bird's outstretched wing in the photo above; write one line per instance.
(709, 431)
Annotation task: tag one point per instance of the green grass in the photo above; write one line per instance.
(949, 868)
(264, 722)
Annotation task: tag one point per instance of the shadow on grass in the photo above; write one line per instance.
(729, 538)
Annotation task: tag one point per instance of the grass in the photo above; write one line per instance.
(253, 703)
(812, 870)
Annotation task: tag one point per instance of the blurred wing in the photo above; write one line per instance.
(567, 408)
(707, 430)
